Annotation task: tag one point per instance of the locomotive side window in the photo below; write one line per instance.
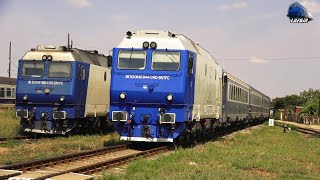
(130, 59)
(83, 73)
(165, 61)
(59, 70)
(33, 69)
(79, 72)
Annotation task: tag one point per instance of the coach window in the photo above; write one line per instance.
(59, 70)
(8, 92)
(2, 92)
(233, 92)
(13, 92)
(165, 61)
(33, 69)
(131, 59)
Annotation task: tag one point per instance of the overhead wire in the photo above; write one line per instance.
(270, 59)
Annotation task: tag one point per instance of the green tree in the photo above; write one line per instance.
(311, 102)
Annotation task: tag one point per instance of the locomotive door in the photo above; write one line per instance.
(191, 82)
(82, 86)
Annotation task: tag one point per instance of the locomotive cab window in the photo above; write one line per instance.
(131, 59)
(165, 61)
(59, 70)
(33, 69)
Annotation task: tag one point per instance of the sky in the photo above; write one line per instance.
(252, 39)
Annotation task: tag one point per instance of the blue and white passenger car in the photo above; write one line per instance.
(62, 90)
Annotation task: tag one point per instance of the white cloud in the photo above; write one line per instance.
(312, 6)
(257, 60)
(79, 3)
(232, 6)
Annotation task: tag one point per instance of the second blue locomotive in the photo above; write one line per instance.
(62, 90)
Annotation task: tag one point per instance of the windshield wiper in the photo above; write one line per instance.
(175, 60)
(130, 55)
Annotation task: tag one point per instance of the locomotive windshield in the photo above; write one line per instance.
(166, 60)
(33, 69)
(59, 70)
(130, 59)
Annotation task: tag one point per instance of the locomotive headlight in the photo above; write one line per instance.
(145, 45)
(122, 95)
(61, 99)
(44, 57)
(25, 97)
(49, 58)
(153, 45)
(170, 97)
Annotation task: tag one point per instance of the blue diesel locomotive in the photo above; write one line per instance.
(165, 87)
(62, 90)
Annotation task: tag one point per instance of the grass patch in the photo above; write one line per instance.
(262, 152)
(20, 151)
(9, 124)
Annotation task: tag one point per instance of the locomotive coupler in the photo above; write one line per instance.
(146, 128)
(31, 120)
(44, 118)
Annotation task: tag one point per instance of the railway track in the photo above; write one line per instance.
(307, 131)
(302, 130)
(15, 138)
(95, 161)
(88, 162)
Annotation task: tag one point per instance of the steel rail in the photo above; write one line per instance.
(302, 130)
(2, 139)
(38, 164)
(97, 167)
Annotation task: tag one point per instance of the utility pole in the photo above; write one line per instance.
(9, 70)
(319, 108)
(68, 41)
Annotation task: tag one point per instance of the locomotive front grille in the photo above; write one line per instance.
(119, 116)
(59, 115)
(22, 113)
(168, 118)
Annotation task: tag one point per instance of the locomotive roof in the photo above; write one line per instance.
(61, 53)
(164, 40)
